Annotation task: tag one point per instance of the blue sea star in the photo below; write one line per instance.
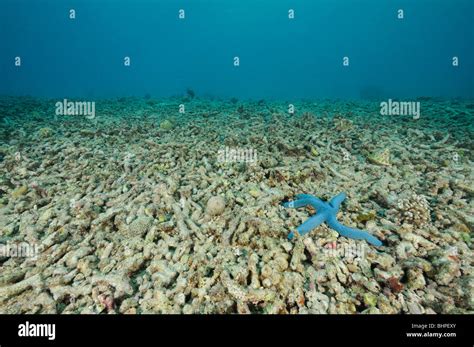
(326, 212)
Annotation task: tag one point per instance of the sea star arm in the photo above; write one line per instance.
(313, 201)
(309, 225)
(353, 233)
(297, 203)
(337, 200)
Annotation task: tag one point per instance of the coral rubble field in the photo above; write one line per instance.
(143, 209)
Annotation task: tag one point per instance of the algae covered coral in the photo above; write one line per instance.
(117, 235)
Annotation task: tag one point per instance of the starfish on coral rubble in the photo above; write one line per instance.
(326, 212)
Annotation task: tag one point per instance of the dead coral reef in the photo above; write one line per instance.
(134, 214)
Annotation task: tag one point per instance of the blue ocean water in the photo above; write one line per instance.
(280, 57)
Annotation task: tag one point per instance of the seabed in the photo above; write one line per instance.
(137, 210)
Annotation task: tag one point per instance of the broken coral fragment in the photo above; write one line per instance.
(215, 206)
(381, 158)
(166, 125)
